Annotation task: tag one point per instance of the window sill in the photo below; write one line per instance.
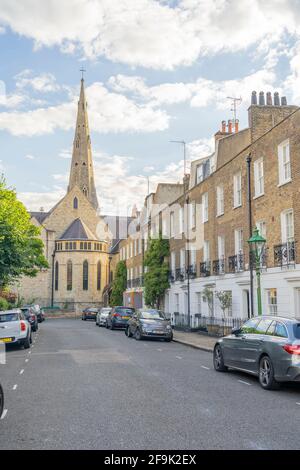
(220, 215)
(284, 183)
(258, 196)
(236, 207)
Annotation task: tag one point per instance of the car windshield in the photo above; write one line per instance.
(125, 311)
(297, 330)
(151, 315)
(8, 317)
(26, 312)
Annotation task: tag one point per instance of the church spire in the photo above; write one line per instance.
(82, 172)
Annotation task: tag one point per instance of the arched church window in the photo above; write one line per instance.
(85, 275)
(84, 164)
(75, 203)
(56, 275)
(85, 192)
(98, 275)
(69, 275)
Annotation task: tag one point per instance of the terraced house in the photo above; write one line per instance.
(215, 208)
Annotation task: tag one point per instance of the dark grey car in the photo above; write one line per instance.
(149, 323)
(266, 346)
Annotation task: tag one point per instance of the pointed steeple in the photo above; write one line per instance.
(82, 171)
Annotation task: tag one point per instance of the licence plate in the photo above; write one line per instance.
(6, 340)
(158, 332)
(125, 318)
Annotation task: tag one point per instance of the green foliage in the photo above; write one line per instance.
(225, 299)
(208, 296)
(119, 284)
(156, 278)
(21, 249)
(4, 305)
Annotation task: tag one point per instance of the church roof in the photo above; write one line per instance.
(78, 231)
(39, 216)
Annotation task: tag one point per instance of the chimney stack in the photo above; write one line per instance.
(254, 98)
(229, 126)
(236, 126)
(276, 99)
(283, 101)
(269, 99)
(261, 98)
(223, 126)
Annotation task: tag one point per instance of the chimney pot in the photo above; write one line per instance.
(269, 98)
(254, 97)
(261, 98)
(283, 101)
(276, 99)
(236, 125)
(223, 128)
(230, 126)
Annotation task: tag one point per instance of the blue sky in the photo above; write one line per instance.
(156, 71)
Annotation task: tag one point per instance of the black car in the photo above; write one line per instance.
(118, 317)
(31, 317)
(38, 311)
(89, 313)
(149, 323)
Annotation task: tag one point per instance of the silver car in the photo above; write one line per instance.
(265, 346)
(102, 316)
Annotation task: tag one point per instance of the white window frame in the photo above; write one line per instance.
(220, 200)
(172, 228)
(206, 251)
(287, 230)
(181, 219)
(284, 163)
(205, 207)
(221, 247)
(237, 190)
(182, 258)
(238, 241)
(173, 261)
(259, 184)
(272, 307)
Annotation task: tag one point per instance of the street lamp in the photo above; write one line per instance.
(256, 245)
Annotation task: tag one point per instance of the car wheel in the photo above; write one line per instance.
(30, 339)
(168, 340)
(219, 360)
(128, 332)
(26, 343)
(111, 327)
(138, 335)
(266, 374)
(1, 401)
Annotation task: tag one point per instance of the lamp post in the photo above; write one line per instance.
(256, 245)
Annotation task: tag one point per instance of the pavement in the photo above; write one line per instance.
(195, 340)
(85, 387)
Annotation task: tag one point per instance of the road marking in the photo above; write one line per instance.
(178, 357)
(29, 352)
(160, 350)
(4, 414)
(243, 382)
(26, 360)
(21, 371)
(206, 368)
(15, 387)
(297, 403)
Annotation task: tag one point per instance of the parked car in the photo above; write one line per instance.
(31, 317)
(89, 313)
(1, 400)
(118, 317)
(38, 311)
(14, 328)
(266, 346)
(149, 323)
(102, 315)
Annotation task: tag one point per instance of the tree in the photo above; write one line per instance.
(119, 284)
(21, 249)
(208, 296)
(225, 299)
(156, 278)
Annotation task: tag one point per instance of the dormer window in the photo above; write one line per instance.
(75, 203)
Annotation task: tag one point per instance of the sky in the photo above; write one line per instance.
(156, 71)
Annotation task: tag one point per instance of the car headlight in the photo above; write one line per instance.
(169, 327)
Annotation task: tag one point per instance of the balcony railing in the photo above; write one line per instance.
(285, 254)
(172, 276)
(219, 266)
(205, 269)
(236, 263)
(192, 271)
(263, 259)
(179, 274)
(137, 282)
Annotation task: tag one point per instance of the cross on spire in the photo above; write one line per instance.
(82, 70)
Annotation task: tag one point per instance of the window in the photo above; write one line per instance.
(202, 171)
(249, 326)
(237, 190)
(263, 326)
(176, 303)
(206, 251)
(280, 330)
(85, 275)
(284, 163)
(287, 226)
(272, 301)
(173, 261)
(262, 228)
(98, 275)
(69, 275)
(221, 247)
(182, 258)
(220, 200)
(198, 302)
(56, 275)
(205, 207)
(192, 255)
(238, 241)
(172, 224)
(75, 203)
(181, 220)
(259, 177)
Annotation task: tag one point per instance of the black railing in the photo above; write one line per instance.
(205, 269)
(236, 263)
(263, 259)
(172, 276)
(192, 271)
(179, 274)
(219, 266)
(285, 254)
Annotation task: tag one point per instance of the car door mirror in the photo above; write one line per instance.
(235, 331)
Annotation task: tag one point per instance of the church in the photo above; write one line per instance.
(76, 237)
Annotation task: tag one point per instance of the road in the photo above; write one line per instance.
(84, 387)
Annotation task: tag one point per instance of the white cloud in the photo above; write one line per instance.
(43, 83)
(30, 157)
(151, 33)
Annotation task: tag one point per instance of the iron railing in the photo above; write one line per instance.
(192, 271)
(285, 254)
(219, 266)
(236, 263)
(205, 269)
(179, 274)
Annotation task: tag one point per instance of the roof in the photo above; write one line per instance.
(39, 216)
(119, 227)
(78, 231)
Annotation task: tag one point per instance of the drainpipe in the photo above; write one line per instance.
(52, 284)
(248, 160)
(188, 270)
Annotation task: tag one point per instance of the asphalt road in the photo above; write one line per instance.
(84, 387)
